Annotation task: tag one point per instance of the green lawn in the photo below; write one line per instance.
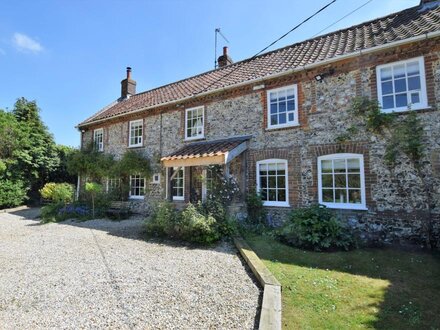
(361, 289)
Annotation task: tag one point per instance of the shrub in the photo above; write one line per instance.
(162, 220)
(316, 228)
(49, 212)
(255, 209)
(12, 193)
(58, 192)
(192, 224)
(93, 189)
(197, 227)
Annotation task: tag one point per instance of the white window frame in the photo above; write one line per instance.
(296, 112)
(132, 123)
(347, 206)
(155, 178)
(201, 136)
(176, 198)
(112, 182)
(100, 144)
(270, 161)
(423, 93)
(137, 196)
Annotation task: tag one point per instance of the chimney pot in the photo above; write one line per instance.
(224, 59)
(225, 51)
(128, 72)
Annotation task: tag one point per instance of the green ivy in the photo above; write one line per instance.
(375, 119)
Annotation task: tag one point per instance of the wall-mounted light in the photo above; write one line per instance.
(321, 76)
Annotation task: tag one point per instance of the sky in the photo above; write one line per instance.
(70, 56)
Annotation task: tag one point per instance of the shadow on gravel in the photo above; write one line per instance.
(28, 214)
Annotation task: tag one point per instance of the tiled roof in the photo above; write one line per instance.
(405, 24)
(207, 149)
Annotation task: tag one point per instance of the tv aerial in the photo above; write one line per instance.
(217, 31)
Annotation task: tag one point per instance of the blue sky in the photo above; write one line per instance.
(70, 56)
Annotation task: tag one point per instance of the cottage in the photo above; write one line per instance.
(274, 123)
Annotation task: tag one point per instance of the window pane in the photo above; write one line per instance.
(354, 181)
(291, 116)
(387, 87)
(401, 100)
(388, 102)
(263, 182)
(263, 167)
(281, 96)
(327, 180)
(291, 105)
(414, 83)
(413, 68)
(340, 180)
(400, 85)
(340, 196)
(273, 108)
(281, 181)
(290, 93)
(273, 97)
(281, 195)
(354, 196)
(353, 165)
(282, 107)
(415, 98)
(326, 166)
(399, 71)
(282, 118)
(264, 194)
(272, 182)
(272, 195)
(327, 195)
(274, 120)
(339, 165)
(385, 74)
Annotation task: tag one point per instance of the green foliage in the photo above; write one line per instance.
(12, 193)
(61, 173)
(255, 209)
(196, 223)
(316, 228)
(130, 163)
(375, 120)
(49, 212)
(163, 220)
(407, 138)
(93, 189)
(197, 227)
(58, 192)
(90, 163)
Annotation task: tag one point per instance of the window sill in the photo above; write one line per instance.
(266, 204)
(345, 207)
(136, 197)
(135, 146)
(405, 110)
(273, 128)
(178, 199)
(194, 139)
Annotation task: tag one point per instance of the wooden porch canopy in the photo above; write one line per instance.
(207, 153)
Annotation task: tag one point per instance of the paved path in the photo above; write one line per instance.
(102, 274)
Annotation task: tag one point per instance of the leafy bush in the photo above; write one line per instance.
(12, 193)
(162, 220)
(255, 209)
(55, 212)
(49, 212)
(196, 223)
(197, 227)
(58, 192)
(316, 228)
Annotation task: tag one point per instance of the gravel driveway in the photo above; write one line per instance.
(102, 274)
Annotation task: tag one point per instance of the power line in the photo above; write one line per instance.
(270, 45)
(343, 17)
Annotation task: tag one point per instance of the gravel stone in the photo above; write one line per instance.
(104, 274)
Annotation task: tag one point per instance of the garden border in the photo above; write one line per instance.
(18, 208)
(270, 317)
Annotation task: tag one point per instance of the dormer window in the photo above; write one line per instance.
(135, 133)
(194, 123)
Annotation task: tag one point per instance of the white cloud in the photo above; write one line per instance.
(26, 44)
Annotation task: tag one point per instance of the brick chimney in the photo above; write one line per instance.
(128, 85)
(224, 59)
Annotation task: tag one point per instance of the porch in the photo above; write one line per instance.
(195, 170)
